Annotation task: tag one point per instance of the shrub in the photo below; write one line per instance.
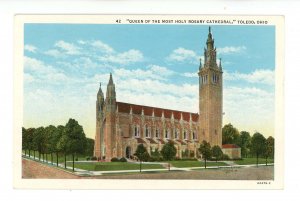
(114, 160)
(88, 158)
(94, 158)
(225, 157)
(123, 159)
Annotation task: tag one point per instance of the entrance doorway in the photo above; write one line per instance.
(128, 152)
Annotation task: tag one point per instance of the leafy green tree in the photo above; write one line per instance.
(24, 140)
(168, 152)
(230, 135)
(205, 150)
(38, 140)
(217, 152)
(142, 154)
(244, 142)
(77, 140)
(258, 145)
(62, 147)
(89, 150)
(269, 153)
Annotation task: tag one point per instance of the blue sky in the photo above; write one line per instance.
(151, 64)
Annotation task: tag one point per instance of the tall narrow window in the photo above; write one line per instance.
(136, 131)
(176, 134)
(157, 133)
(167, 133)
(147, 130)
(185, 135)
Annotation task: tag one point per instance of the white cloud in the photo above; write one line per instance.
(248, 108)
(39, 71)
(99, 45)
(130, 56)
(30, 48)
(188, 74)
(231, 49)
(261, 76)
(54, 53)
(68, 48)
(183, 55)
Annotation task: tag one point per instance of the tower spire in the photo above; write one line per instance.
(110, 82)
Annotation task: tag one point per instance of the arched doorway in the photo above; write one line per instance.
(128, 152)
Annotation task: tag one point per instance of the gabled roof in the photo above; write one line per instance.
(228, 146)
(148, 110)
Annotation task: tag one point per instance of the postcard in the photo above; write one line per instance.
(148, 102)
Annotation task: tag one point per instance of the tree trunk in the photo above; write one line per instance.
(140, 165)
(65, 161)
(205, 163)
(73, 161)
(256, 160)
(51, 158)
(169, 165)
(39, 156)
(29, 153)
(43, 157)
(46, 158)
(33, 154)
(25, 152)
(266, 160)
(57, 159)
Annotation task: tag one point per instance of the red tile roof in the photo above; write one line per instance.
(148, 110)
(228, 146)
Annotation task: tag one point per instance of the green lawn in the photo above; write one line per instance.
(182, 164)
(111, 166)
(248, 161)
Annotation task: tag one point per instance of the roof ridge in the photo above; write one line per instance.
(157, 108)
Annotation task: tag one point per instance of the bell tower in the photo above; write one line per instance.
(210, 95)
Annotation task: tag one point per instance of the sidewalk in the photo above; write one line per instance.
(81, 172)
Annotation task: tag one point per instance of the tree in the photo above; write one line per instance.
(76, 138)
(38, 140)
(142, 154)
(244, 142)
(62, 146)
(258, 145)
(269, 148)
(230, 134)
(168, 152)
(24, 139)
(205, 150)
(89, 150)
(216, 152)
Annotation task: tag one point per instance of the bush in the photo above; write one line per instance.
(225, 157)
(123, 159)
(114, 160)
(88, 158)
(94, 158)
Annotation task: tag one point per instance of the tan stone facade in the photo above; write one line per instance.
(120, 126)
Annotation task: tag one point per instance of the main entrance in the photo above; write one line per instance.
(128, 152)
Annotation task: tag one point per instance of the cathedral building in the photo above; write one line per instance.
(121, 127)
